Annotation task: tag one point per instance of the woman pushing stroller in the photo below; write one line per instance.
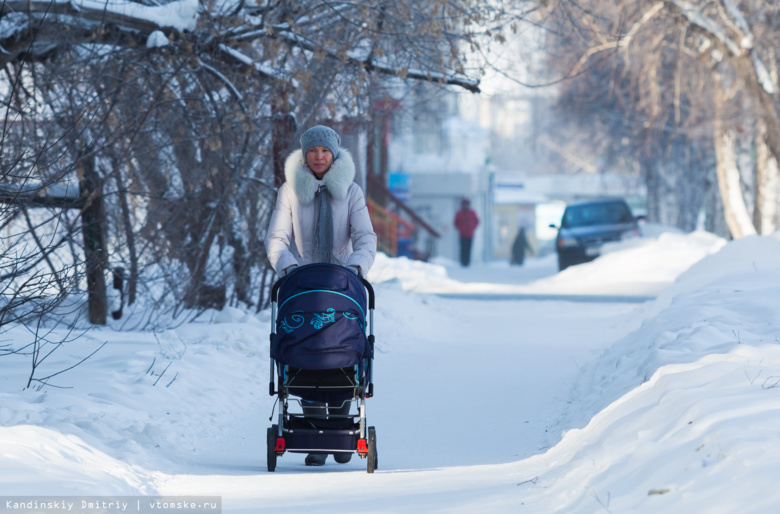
(321, 217)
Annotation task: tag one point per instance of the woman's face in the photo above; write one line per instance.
(319, 159)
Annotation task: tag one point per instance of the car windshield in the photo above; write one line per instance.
(596, 214)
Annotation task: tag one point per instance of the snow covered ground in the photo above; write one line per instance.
(482, 404)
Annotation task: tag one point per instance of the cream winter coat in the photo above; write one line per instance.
(291, 231)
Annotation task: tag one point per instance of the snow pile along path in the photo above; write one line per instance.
(698, 437)
(640, 267)
(38, 461)
(696, 424)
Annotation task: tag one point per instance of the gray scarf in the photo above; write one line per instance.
(323, 230)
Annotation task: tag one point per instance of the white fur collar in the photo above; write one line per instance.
(338, 178)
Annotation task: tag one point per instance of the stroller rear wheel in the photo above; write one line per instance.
(373, 456)
(271, 447)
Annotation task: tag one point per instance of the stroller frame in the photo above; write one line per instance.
(321, 433)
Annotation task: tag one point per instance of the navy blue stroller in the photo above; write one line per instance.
(321, 352)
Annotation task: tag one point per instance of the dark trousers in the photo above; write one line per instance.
(465, 251)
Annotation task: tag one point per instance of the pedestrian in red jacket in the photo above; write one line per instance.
(466, 221)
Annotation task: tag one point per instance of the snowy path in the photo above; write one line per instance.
(470, 384)
(459, 383)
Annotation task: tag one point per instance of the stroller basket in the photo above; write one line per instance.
(311, 440)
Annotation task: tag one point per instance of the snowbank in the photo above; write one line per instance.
(642, 266)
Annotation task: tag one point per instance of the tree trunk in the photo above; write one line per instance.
(714, 220)
(242, 269)
(653, 185)
(93, 222)
(132, 280)
(284, 128)
(765, 211)
(734, 209)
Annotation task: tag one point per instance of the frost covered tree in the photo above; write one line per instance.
(169, 121)
(692, 85)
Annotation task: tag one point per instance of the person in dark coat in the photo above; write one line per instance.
(466, 221)
(519, 247)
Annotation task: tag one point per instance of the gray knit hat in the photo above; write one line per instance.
(321, 135)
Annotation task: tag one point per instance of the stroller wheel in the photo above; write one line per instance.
(373, 456)
(271, 447)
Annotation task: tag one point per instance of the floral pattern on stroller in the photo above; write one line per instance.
(321, 352)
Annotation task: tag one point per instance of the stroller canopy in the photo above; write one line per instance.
(321, 320)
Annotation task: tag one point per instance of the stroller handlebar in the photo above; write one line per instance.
(366, 284)
(275, 289)
(370, 289)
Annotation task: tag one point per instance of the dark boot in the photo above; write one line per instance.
(316, 459)
(342, 458)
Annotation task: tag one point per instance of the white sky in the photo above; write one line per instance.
(482, 405)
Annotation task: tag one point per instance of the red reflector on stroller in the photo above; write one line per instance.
(362, 446)
(279, 444)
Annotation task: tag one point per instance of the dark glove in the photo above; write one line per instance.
(289, 269)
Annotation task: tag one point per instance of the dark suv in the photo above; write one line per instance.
(587, 225)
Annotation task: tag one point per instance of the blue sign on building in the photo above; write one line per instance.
(398, 184)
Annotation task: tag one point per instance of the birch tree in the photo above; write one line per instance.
(740, 54)
(702, 71)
